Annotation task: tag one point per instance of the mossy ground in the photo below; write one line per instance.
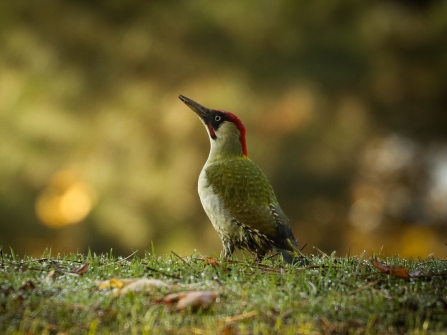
(332, 295)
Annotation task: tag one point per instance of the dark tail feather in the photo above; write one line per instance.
(293, 255)
(286, 256)
(296, 260)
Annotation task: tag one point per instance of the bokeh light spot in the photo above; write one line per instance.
(66, 200)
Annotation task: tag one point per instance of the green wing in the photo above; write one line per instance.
(247, 194)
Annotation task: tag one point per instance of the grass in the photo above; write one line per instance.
(48, 295)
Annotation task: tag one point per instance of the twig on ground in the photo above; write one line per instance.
(164, 273)
(180, 257)
(364, 287)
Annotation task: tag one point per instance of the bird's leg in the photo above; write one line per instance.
(259, 257)
(228, 248)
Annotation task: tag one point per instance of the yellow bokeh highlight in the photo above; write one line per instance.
(66, 200)
(417, 241)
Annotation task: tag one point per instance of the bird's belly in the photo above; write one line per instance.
(216, 211)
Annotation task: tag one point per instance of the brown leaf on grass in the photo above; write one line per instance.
(380, 266)
(195, 300)
(400, 272)
(229, 329)
(80, 270)
(173, 297)
(396, 271)
(211, 261)
(22, 292)
(124, 286)
(28, 286)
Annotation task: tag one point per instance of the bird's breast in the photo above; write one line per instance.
(215, 208)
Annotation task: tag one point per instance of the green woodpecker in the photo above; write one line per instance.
(235, 194)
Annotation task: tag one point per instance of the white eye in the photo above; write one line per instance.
(217, 118)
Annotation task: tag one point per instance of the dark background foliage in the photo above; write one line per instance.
(344, 102)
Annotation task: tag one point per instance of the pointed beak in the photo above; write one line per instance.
(201, 111)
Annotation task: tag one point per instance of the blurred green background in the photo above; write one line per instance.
(345, 104)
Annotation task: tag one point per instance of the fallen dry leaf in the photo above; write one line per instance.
(174, 297)
(80, 270)
(400, 272)
(211, 261)
(123, 286)
(195, 300)
(229, 329)
(22, 292)
(103, 284)
(114, 283)
(28, 286)
(380, 266)
(50, 275)
(397, 271)
(143, 284)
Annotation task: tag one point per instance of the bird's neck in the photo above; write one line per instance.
(227, 145)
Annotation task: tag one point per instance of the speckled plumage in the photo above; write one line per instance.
(236, 194)
(251, 204)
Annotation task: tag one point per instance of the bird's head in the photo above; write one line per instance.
(226, 131)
